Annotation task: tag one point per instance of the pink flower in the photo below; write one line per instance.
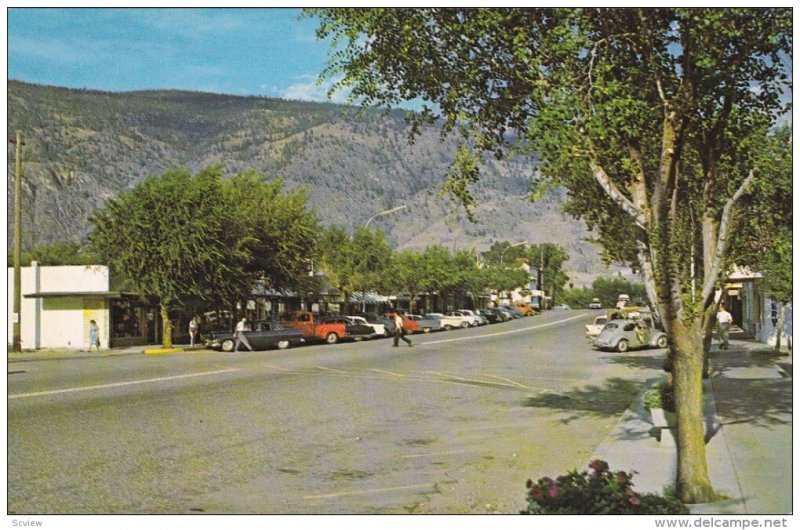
(634, 500)
(553, 490)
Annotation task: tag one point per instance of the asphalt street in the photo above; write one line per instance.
(455, 424)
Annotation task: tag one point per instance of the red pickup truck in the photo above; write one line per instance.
(312, 329)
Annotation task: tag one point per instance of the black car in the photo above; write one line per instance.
(353, 330)
(492, 315)
(264, 335)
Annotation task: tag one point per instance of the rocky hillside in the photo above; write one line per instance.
(83, 146)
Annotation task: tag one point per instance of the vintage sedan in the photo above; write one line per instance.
(625, 334)
(379, 329)
(355, 330)
(594, 329)
(264, 335)
(427, 323)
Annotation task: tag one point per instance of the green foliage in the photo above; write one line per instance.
(609, 289)
(577, 298)
(356, 263)
(660, 396)
(763, 235)
(168, 236)
(67, 253)
(601, 492)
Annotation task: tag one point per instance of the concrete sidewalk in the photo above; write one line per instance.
(749, 420)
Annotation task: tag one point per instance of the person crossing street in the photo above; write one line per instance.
(400, 330)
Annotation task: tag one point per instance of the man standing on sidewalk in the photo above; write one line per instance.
(724, 320)
(399, 329)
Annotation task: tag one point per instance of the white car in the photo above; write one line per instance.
(474, 318)
(593, 330)
(380, 329)
(450, 321)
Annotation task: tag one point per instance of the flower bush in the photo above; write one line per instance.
(600, 491)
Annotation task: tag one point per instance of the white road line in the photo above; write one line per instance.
(386, 372)
(507, 380)
(583, 315)
(114, 385)
(367, 492)
(442, 453)
(332, 370)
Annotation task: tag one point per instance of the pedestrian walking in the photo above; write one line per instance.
(239, 336)
(724, 320)
(400, 330)
(94, 335)
(192, 330)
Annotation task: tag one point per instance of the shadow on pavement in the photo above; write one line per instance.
(612, 399)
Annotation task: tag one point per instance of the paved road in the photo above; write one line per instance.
(455, 424)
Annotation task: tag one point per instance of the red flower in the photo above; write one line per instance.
(537, 493)
(623, 478)
(599, 466)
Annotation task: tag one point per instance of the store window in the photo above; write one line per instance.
(126, 318)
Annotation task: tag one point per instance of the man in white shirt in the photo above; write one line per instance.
(724, 320)
(239, 336)
(399, 329)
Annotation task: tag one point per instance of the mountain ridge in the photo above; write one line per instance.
(84, 146)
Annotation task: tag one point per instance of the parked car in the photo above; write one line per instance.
(595, 304)
(504, 314)
(466, 320)
(353, 330)
(449, 321)
(381, 323)
(378, 330)
(525, 309)
(624, 334)
(491, 314)
(427, 323)
(473, 318)
(409, 324)
(594, 329)
(508, 308)
(563, 307)
(264, 335)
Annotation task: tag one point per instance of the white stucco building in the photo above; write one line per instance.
(57, 304)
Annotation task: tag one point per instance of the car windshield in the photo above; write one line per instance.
(610, 326)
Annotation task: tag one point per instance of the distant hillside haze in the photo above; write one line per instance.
(84, 146)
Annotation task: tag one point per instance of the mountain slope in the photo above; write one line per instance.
(83, 146)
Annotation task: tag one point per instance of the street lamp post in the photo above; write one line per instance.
(385, 212)
(508, 247)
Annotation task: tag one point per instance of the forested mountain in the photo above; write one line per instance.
(83, 146)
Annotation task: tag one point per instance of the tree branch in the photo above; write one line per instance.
(616, 195)
(722, 237)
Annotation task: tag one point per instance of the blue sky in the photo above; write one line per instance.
(249, 51)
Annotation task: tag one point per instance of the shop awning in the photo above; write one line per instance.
(368, 298)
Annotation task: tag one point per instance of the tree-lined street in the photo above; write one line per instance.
(451, 425)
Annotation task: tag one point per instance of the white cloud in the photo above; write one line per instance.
(307, 89)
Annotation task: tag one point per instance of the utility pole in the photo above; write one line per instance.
(17, 344)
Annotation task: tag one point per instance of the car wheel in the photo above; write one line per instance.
(283, 344)
(622, 346)
(426, 330)
(332, 338)
(227, 345)
(662, 341)
(465, 325)
(448, 327)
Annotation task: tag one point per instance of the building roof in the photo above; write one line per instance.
(81, 294)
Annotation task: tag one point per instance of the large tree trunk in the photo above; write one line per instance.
(693, 484)
(166, 333)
